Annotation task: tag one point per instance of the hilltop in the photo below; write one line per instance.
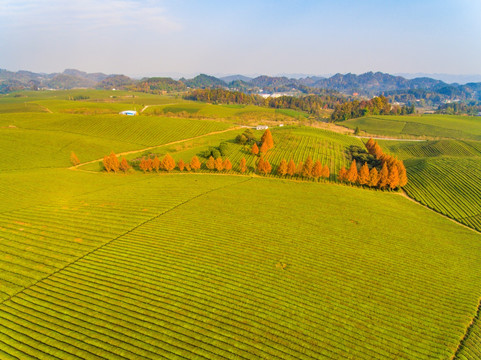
(400, 89)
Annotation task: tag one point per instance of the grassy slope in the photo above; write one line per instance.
(169, 279)
(444, 126)
(243, 114)
(90, 137)
(291, 142)
(211, 283)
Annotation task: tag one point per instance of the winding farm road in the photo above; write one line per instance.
(76, 167)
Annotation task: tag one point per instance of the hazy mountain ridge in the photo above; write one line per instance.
(367, 85)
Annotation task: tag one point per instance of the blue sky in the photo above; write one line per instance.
(188, 37)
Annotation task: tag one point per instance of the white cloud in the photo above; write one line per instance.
(86, 15)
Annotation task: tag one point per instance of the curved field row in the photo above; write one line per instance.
(34, 149)
(448, 185)
(298, 144)
(236, 280)
(237, 112)
(447, 126)
(141, 130)
(406, 150)
(471, 346)
(38, 240)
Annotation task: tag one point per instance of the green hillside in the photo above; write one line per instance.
(222, 265)
(162, 277)
(437, 126)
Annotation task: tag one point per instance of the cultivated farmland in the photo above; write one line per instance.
(433, 126)
(207, 266)
(155, 288)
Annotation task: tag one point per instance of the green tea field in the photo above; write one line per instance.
(209, 265)
(431, 126)
(444, 175)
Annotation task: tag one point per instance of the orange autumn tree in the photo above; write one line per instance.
(325, 172)
(307, 167)
(291, 168)
(124, 165)
(317, 169)
(143, 165)
(282, 168)
(210, 164)
(403, 177)
(267, 139)
(219, 164)
(352, 174)
(181, 164)
(168, 163)
(364, 174)
(260, 165)
(242, 165)
(74, 159)
(195, 163)
(227, 165)
(342, 176)
(149, 163)
(255, 149)
(114, 162)
(264, 148)
(156, 163)
(267, 167)
(373, 177)
(263, 166)
(393, 178)
(299, 168)
(106, 163)
(383, 177)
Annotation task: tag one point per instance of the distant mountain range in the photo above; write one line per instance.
(365, 85)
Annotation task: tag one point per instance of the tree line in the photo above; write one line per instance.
(312, 104)
(379, 170)
(458, 108)
(392, 173)
(378, 105)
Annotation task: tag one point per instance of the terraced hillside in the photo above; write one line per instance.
(456, 194)
(163, 279)
(290, 142)
(437, 126)
(96, 265)
(242, 114)
(443, 175)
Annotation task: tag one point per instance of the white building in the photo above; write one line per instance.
(128, 112)
(262, 127)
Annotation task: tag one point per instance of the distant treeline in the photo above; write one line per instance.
(312, 104)
(378, 105)
(459, 108)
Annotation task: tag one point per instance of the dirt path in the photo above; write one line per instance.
(403, 194)
(76, 167)
(386, 138)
